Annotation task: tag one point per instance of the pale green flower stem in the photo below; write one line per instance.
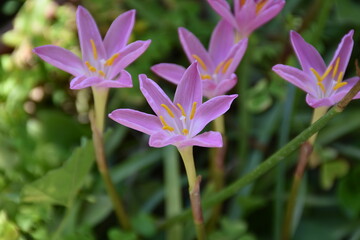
(273, 160)
(97, 127)
(194, 190)
(304, 156)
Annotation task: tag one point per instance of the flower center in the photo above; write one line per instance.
(101, 68)
(335, 69)
(182, 125)
(222, 67)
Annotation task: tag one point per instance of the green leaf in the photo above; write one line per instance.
(61, 185)
(349, 191)
(330, 171)
(8, 230)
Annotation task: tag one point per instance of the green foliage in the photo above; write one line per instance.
(61, 185)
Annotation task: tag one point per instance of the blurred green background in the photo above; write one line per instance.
(44, 127)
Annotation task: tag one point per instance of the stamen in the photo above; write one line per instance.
(340, 84)
(91, 68)
(260, 5)
(226, 65)
(182, 109)
(200, 61)
(111, 60)
(101, 73)
(168, 110)
(94, 49)
(336, 67)
(165, 126)
(217, 69)
(206, 76)
(185, 131)
(242, 3)
(328, 70)
(317, 75)
(322, 87)
(193, 110)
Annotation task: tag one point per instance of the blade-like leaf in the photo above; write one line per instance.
(61, 185)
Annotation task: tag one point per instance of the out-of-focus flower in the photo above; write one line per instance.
(216, 66)
(177, 122)
(248, 14)
(324, 84)
(103, 61)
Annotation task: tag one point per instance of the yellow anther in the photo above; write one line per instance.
(91, 68)
(165, 125)
(185, 131)
(168, 110)
(101, 73)
(260, 5)
(181, 109)
(317, 75)
(322, 87)
(111, 60)
(94, 49)
(242, 3)
(193, 110)
(206, 76)
(200, 61)
(217, 69)
(339, 84)
(226, 65)
(336, 67)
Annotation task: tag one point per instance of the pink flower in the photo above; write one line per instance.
(248, 14)
(103, 61)
(180, 121)
(324, 84)
(216, 67)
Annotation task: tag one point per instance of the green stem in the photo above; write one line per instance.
(103, 169)
(194, 190)
(172, 190)
(217, 169)
(100, 99)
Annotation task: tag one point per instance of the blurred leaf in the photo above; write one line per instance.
(8, 229)
(330, 171)
(348, 11)
(144, 225)
(116, 234)
(60, 186)
(259, 98)
(232, 230)
(349, 191)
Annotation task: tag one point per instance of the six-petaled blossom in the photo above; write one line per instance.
(103, 61)
(180, 121)
(324, 84)
(216, 66)
(248, 14)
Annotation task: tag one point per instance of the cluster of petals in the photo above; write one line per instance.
(248, 14)
(103, 61)
(177, 122)
(323, 84)
(216, 66)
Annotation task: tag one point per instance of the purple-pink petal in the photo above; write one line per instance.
(123, 81)
(84, 82)
(139, 121)
(207, 139)
(267, 14)
(236, 54)
(129, 54)
(222, 40)
(61, 58)
(189, 89)
(297, 77)
(223, 9)
(343, 52)
(307, 55)
(161, 139)
(119, 32)
(192, 46)
(88, 31)
(211, 110)
(225, 85)
(154, 95)
(169, 71)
